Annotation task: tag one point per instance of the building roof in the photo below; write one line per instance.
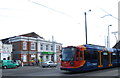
(32, 34)
(117, 45)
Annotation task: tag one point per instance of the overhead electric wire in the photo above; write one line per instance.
(108, 14)
(49, 8)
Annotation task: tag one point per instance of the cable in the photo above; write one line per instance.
(49, 8)
(108, 14)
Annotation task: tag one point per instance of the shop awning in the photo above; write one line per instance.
(48, 52)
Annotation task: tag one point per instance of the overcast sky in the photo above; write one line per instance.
(63, 19)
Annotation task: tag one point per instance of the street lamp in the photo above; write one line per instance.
(115, 35)
(86, 25)
(108, 38)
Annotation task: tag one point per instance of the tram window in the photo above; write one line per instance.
(105, 55)
(80, 55)
(94, 55)
(113, 53)
(114, 56)
(77, 56)
(87, 55)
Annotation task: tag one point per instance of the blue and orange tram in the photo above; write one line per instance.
(88, 57)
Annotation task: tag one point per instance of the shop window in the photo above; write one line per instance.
(4, 58)
(47, 58)
(8, 58)
(24, 58)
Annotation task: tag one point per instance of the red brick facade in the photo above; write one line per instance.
(25, 48)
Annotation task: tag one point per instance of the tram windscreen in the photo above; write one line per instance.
(68, 54)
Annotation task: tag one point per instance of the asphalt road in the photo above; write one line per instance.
(55, 71)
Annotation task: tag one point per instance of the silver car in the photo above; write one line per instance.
(49, 64)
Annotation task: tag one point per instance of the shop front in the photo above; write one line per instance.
(47, 56)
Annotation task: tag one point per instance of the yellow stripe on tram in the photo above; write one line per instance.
(100, 59)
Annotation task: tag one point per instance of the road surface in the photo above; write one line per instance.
(55, 71)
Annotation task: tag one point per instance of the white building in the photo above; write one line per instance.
(49, 51)
(5, 51)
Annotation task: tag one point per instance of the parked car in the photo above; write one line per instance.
(0, 64)
(49, 64)
(18, 62)
(8, 64)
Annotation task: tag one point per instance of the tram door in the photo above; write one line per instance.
(105, 59)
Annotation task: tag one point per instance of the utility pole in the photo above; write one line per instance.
(85, 13)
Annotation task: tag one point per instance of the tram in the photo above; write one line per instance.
(88, 57)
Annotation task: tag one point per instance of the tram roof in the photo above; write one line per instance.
(110, 49)
(94, 47)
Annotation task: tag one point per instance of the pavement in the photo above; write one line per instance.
(0, 73)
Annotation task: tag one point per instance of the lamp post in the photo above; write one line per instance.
(115, 35)
(108, 38)
(85, 13)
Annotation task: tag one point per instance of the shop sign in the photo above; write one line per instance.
(48, 52)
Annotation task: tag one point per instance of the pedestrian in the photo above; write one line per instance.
(32, 62)
(22, 64)
(37, 62)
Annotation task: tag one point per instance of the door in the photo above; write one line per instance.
(106, 60)
(10, 64)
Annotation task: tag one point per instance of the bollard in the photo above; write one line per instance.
(22, 64)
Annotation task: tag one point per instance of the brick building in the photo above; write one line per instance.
(32, 47)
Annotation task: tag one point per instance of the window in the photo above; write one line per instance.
(94, 55)
(46, 47)
(77, 56)
(57, 47)
(41, 46)
(51, 48)
(47, 58)
(87, 55)
(105, 55)
(24, 45)
(33, 46)
(24, 58)
(114, 56)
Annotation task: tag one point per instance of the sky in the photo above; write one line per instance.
(63, 19)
